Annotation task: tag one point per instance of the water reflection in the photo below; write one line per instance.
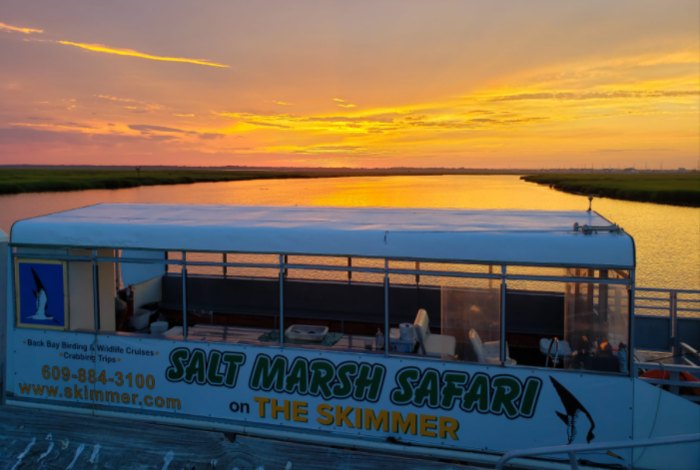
(667, 237)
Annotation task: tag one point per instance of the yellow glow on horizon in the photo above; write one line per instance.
(534, 118)
(141, 55)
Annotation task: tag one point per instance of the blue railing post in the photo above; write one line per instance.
(675, 337)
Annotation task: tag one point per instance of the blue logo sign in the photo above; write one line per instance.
(42, 294)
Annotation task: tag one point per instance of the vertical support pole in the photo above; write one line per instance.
(349, 269)
(183, 272)
(225, 260)
(117, 270)
(283, 270)
(386, 306)
(572, 458)
(7, 307)
(631, 365)
(11, 300)
(417, 273)
(675, 339)
(502, 352)
(95, 291)
(590, 300)
(572, 292)
(603, 291)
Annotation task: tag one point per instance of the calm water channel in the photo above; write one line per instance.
(667, 237)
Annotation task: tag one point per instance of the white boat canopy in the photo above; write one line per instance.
(482, 236)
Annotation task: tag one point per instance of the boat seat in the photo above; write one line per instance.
(430, 344)
(488, 352)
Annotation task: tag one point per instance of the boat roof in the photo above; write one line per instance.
(482, 236)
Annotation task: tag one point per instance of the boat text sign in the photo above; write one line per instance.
(449, 404)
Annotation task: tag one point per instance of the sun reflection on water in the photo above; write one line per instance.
(667, 237)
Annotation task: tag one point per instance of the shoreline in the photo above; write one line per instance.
(677, 189)
(674, 188)
(15, 180)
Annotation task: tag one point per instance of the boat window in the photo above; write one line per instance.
(534, 310)
(334, 302)
(462, 268)
(225, 264)
(174, 262)
(138, 299)
(228, 297)
(330, 268)
(202, 264)
(597, 322)
(367, 270)
(471, 312)
(251, 265)
(404, 273)
(406, 297)
(540, 271)
(435, 308)
(576, 320)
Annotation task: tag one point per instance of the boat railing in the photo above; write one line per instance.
(690, 355)
(571, 450)
(671, 317)
(673, 303)
(682, 380)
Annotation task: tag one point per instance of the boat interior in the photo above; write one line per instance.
(549, 316)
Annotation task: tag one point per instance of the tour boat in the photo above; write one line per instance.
(466, 335)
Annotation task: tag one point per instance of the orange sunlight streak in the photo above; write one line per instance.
(141, 55)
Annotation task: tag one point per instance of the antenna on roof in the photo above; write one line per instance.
(590, 202)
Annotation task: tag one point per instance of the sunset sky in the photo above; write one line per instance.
(365, 83)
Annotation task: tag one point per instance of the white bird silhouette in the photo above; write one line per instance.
(42, 300)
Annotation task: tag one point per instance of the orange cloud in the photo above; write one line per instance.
(141, 55)
(62, 127)
(18, 29)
